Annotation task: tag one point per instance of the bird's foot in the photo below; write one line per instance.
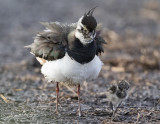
(57, 112)
(79, 112)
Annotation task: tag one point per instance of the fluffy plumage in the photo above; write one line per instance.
(51, 44)
(117, 93)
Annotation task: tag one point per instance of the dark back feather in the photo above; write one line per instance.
(51, 43)
(99, 42)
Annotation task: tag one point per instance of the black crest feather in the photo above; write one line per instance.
(90, 12)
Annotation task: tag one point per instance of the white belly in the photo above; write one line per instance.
(68, 70)
(114, 99)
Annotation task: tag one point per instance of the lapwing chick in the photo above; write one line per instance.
(116, 94)
(69, 52)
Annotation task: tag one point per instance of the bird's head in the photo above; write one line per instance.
(86, 26)
(123, 85)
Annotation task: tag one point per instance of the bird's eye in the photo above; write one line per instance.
(82, 29)
(79, 30)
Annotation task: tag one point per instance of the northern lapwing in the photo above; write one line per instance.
(69, 52)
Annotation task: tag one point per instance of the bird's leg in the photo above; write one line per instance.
(79, 106)
(57, 96)
(115, 110)
(111, 105)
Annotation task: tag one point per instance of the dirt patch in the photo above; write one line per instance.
(132, 53)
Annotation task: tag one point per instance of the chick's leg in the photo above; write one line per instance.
(115, 108)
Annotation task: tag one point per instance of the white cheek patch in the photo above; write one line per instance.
(80, 24)
(82, 39)
(79, 36)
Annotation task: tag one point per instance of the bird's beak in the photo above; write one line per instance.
(93, 35)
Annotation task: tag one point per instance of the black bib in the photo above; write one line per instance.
(81, 53)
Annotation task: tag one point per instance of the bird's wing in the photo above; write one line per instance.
(50, 44)
(99, 40)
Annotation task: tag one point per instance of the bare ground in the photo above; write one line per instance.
(132, 53)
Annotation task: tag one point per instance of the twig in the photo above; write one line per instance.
(70, 89)
(138, 118)
(4, 98)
